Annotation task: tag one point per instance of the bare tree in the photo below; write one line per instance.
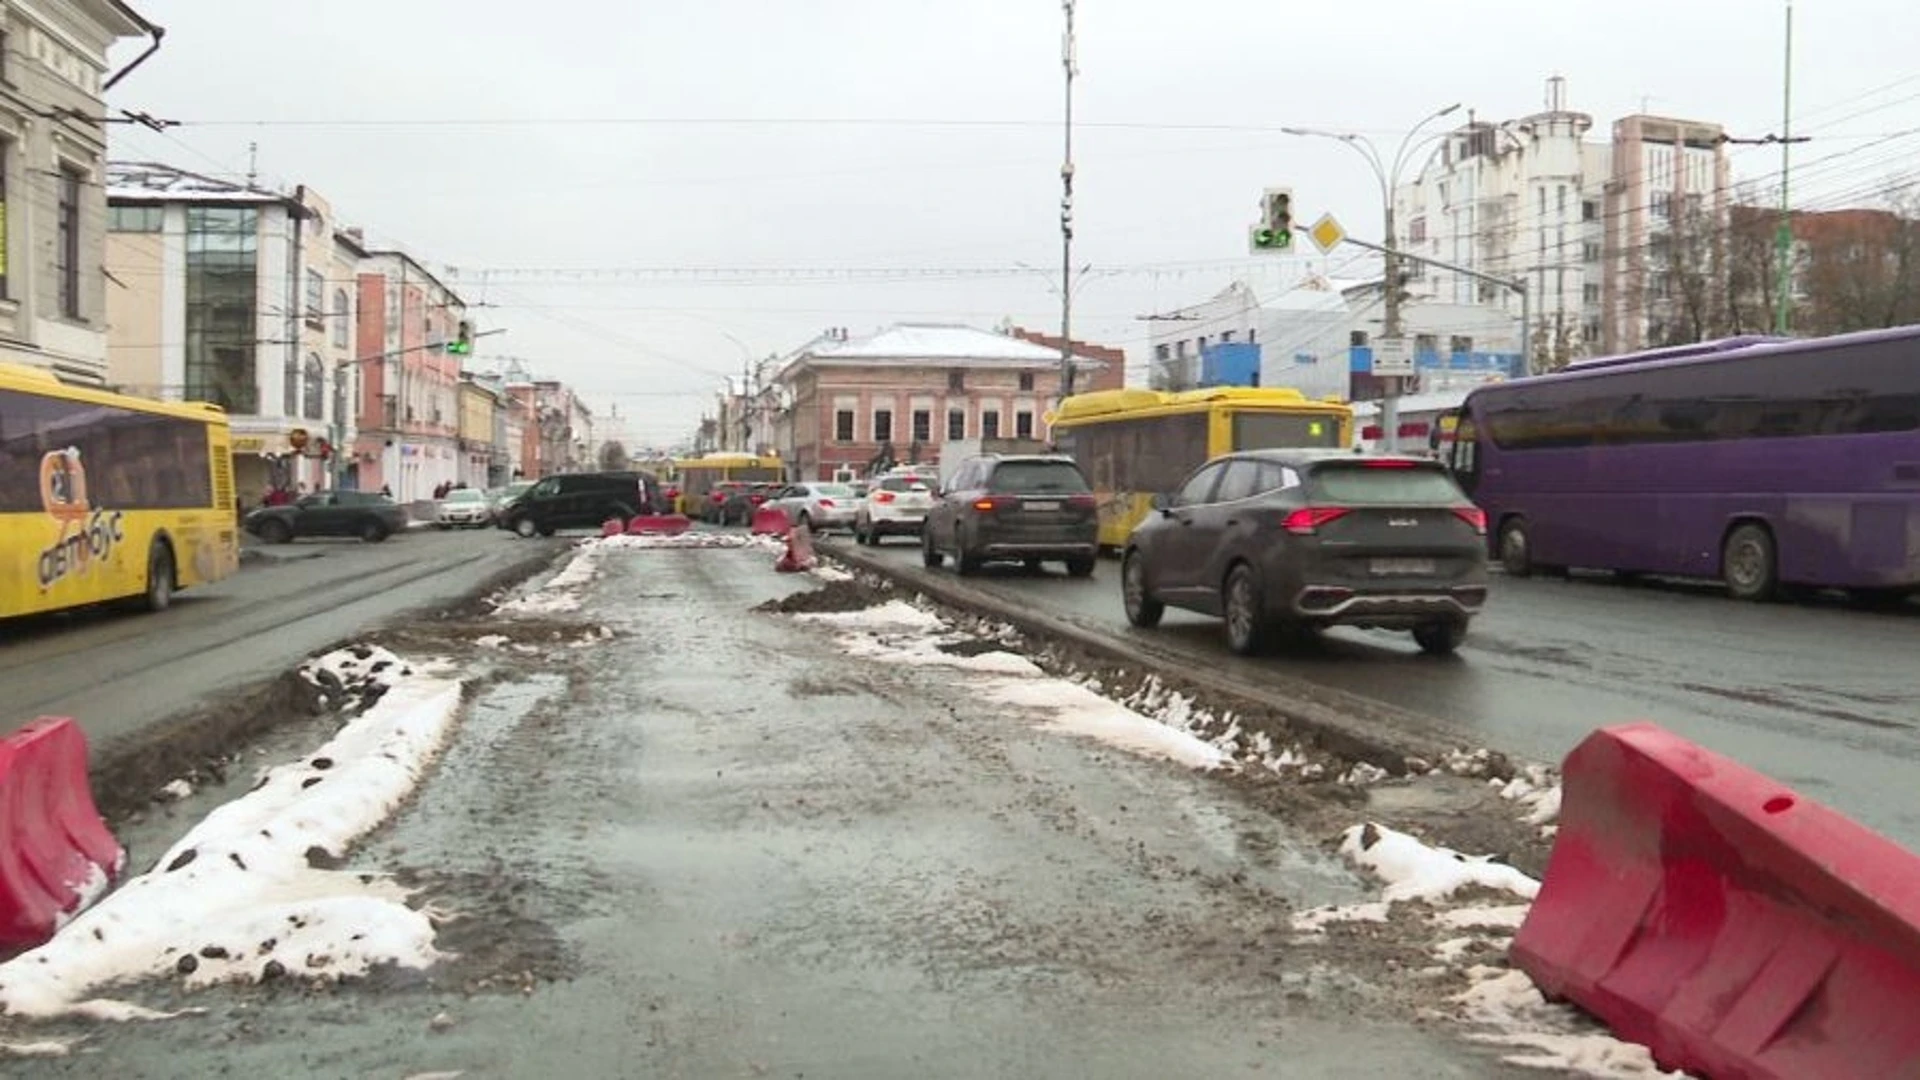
(613, 456)
(1753, 269)
(1690, 260)
(1555, 343)
(1862, 266)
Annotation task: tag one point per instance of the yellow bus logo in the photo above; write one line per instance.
(86, 534)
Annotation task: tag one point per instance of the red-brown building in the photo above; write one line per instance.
(1112, 373)
(910, 388)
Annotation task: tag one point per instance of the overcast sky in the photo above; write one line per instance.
(601, 136)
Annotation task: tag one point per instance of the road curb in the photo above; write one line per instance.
(1344, 724)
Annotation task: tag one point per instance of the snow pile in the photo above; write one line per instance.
(691, 540)
(1500, 1006)
(562, 592)
(239, 897)
(1537, 791)
(1509, 1011)
(902, 633)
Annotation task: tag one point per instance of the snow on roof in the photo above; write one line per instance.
(933, 341)
(128, 180)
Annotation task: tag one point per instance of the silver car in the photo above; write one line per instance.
(820, 507)
(464, 508)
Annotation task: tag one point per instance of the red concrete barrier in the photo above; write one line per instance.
(799, 554)
(659, 524)
(769, 522)
(1725, 922)
(53, 843)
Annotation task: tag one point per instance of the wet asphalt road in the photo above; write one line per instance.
(118, 672)
(1821, 697)
(749, 855)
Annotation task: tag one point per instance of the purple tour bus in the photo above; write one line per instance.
(1761, 462)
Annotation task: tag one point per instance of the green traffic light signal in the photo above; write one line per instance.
(1277, 239)
(460, 348)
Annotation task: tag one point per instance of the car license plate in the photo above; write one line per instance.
(1386, 567)
(1043, 506)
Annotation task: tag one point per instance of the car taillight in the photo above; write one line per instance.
(1388, 463)
(1473, 516)
(1083, 502)
(883, 497)
(1308, 519)
(993, 503)
(826, 504)
(756, 499)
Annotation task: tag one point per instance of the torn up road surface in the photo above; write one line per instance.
(672, 835)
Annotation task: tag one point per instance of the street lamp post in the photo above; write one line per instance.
(1069, 62)
(1388, 174)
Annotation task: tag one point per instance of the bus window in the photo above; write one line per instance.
(1465, 457)
(1269, 431)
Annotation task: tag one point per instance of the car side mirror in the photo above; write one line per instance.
(1162, 502)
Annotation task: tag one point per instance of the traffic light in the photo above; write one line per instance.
(462, 345)
(1275, 231)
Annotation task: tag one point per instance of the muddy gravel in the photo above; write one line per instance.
(696, 838)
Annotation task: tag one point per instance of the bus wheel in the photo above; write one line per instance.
(1516, 548)
(1747, 562)
(159, 577)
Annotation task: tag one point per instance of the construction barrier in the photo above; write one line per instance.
(612, 527)
(799, 555)
(1728, 924)
(55, 851)
(769, 522)
(659, 524)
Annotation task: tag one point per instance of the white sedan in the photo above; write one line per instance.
(464, 508)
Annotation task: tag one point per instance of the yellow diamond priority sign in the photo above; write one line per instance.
(1326, 233)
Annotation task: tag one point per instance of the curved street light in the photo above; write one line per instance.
(1387, 172)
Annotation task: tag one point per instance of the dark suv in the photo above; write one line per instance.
(1014, 508)
(581, 501)
(1298, 540)
(368, 515)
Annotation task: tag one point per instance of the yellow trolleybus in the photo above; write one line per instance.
(105, 497)
(1135, 444)
(693, 478)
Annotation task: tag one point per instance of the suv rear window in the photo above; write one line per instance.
(902, 483)
(1019, 477)
(1357, 484)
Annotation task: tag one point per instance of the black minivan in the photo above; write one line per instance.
(581, 501)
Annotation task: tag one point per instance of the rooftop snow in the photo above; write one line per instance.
(923, 341)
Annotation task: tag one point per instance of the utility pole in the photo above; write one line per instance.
(1388, 173)
(1783, 236)
(1067, 50)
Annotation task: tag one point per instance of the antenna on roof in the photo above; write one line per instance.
(253, 165)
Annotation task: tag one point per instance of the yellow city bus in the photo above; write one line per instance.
(694, 477)
(1135, 444)
(105, 497)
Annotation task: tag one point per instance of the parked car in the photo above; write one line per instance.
(463, 508)
(1028, 508)
(741, 504)
(368, 515)
(714, 508)
(820, 507)
(581, 501)
(1290, 539)
(896, 505)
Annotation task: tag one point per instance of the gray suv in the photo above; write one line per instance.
(1026, 508)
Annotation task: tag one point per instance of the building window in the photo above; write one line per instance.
(956, 423)
(135, 219)
(1458, 345)
(1593, 331)
(843, 426)
(316, 298)
(1226, 337)
(1590, 210)
(290, 387)
(956, 380)
(342, 318)
(1590, 293)
(883, 425)
(1163, 352)
(342, 383)
(1590, 251)
(1662, 204)
(1023, 424)
(6, 159)
(922, 425)
(69, 239)
(221, 288)
(313, 400)
(990, 424)
(1180, 348)
(1026, 380)
(1253, 335)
